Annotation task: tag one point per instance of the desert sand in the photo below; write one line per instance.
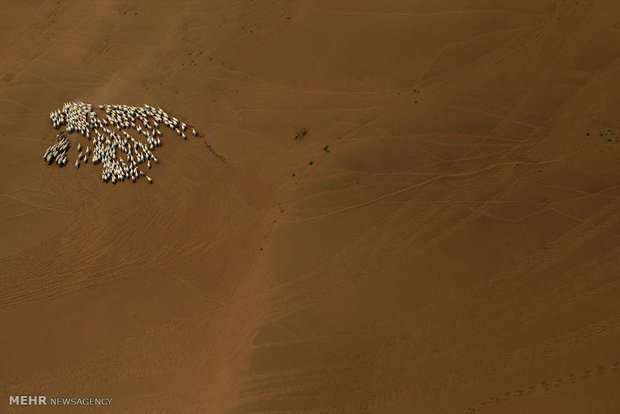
(444, 238)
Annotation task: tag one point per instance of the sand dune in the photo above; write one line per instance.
(443, 239)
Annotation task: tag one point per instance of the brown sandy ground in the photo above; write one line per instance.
(454, 249)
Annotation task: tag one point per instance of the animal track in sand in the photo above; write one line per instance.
(546, 386)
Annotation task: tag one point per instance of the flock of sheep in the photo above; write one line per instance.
(58, 152)
(120, 153)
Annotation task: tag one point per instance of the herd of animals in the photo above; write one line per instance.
(121, 154)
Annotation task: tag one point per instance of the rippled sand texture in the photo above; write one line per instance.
(395, 207)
